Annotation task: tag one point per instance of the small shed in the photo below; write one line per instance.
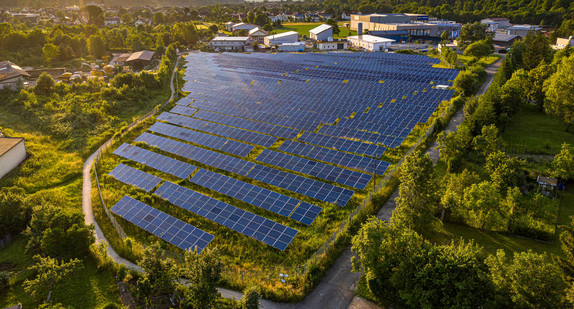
(547, 185)
(258, 35)
(321, 33)
(140, 59)
(12, 153)
(11, 75)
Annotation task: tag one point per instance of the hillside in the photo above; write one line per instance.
(110, 3)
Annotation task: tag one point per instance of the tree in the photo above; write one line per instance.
(504, 171)
(48, 272)
(511, 97)
(488, 142)
(529, 280)
(536, 50)
(566, 263)
(261, 19)
(158, 18)
(14, 211)
(444, 37)
(97, 46)
(44, 84)
(536, 78)
(268, 27)
(466, 83)
(95, 15)
(451, 147)
(484, 211)
(335, 26)
(161, 275)
(563, 164)
(127, 19)
(250, 18)
(560, 91)
(472, 32)
(479, 49)
(453, 197)
(251, 297)
(214, 28)
(418, 193)
(50, 52)
(203, 271)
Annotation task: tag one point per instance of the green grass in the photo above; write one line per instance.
(537, 132)
(303, 29)
(86, 288)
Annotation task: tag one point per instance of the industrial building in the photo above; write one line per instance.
(496, 23)
(504, 40)
(230, 43)
(321, 33)
(12, 153)
(370, 42)
(243, 26)
(258, 35)
(332, 45)
(522, 30)
(291, 47)
(281, 38)
(416, 26)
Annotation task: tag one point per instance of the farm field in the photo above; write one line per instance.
(252, 163)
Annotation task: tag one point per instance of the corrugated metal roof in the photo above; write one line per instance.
(321, 28)
(499, 37)
(370, 38)
(144, 55)
(9, 70)
(282, 35)
(7, 143)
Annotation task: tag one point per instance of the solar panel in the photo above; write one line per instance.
(135, 177)
(257, 196)
(317, 169)
(159, 162)
(269, 232)
(164, 226)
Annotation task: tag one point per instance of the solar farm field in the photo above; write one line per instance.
(268, 153)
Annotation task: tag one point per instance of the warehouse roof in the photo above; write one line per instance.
(282, 35)
(144, 55)
(9, 70)
(321, 28)
(370, 38)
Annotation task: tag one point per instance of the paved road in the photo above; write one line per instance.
(336, 290)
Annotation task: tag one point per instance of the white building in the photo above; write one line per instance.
(243, 26)
(232, 43)
(332, 45)
(282, 17)
(496, 23)
(281, 38)
(370, 42)
(321, 33)
(291, 47)
(229, 26)
(523, 30)
(12, 153)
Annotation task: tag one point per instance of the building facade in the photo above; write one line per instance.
(321, 33)
(12, 153)
(230, 43)
(281, 38)
(370, 42)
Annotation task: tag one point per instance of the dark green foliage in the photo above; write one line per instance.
(471, 33)
(479, 49)
(161, 274)
(504, 171)
(15, 211)
(334, 24)
(95, 15)
(97, 46)
(418, 193)
(250, 298)
(537, 50)
(563, 164)
(57, 234)
(203, 271)
(560, 91)
(44, 84)
(47, 273)
(261, 19)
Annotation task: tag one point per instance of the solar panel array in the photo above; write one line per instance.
(269, 232)
(135, 177)
(166, 227)
(260, 197)
(337, 113)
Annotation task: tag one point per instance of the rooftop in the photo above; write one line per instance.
(230, 38)
(9, 70)
(321, 28)
(498, 37)
(282, 35)
(370, 38)
(145, 55)
(524, 27)
(7, 143)
(547, 180)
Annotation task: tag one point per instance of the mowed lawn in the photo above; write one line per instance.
(303, 29)
(539, 132)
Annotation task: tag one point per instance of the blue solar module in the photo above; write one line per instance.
(164, 226)
(187, 111)
(260, 197)
(342, 144)
(198, 154)
(295, 183)
(317, 169)
(302, 185)
(242, 135)
(269, 232)
(336, 157)
(203, 139)
(182, 120)
(135, 177)
(306, 213)
(154, 160)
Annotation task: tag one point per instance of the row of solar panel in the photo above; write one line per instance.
(260, 197)
(295, 183)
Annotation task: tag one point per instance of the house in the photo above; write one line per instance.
(230, 43)
(281, 38)
(291, 47)
(27, 17)
(496, 23)
(321, 33)
(370, 42)
(140, 59)
(113, 21)
(547, 185)
(312, 17)
(325, 16)
(504, 40)
(12, 153)
(122, 58)
(281, 17)
(11, 75)
(523, 30)
(258, 35)
(347, 15)
(297, 16)
(562, 43)
(332, 45)
(243, 26)
(229, 26)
